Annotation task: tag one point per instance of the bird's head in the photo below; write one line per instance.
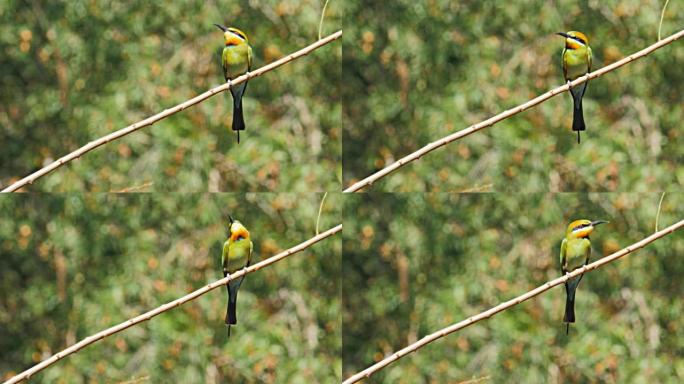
(574, 39)
(237, 231)
(233, 36)
(582, 228)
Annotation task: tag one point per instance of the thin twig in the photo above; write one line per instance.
(168, 112)
(320, 209)
(168, 306)
(506, 114)
(320, 24)
(135, 188)
(662, 15)
(474, 381)
(510, 303)
(658, 213)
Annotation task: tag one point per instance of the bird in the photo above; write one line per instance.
(237, 254)
(236, 60)
(574, 253)
(576, 63)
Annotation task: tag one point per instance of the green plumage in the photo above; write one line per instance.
(237, 254)
(575, 253)
(236, 60)
(576, 63)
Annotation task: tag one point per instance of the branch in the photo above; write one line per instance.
(506, 114)
(510, 303)
(168, 112)
(168, 306)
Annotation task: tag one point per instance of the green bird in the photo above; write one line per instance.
(236, 60)
(237, 254)
(574, 253)
(576, 63)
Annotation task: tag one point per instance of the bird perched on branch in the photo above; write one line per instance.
(236, 60)
(576, 63)
(237, 254)
(574, 253)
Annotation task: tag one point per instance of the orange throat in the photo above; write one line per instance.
(240, 234)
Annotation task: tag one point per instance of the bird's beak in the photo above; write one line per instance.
(562, 34)
(221, 27)
(231, 219)
(597, 222)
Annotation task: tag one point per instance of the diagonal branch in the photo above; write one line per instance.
(168, 306)
(510, 303)
(506, 114)
(168, 112)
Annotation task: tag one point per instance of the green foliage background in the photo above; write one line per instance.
(73, 71)
(436, 259)
(73, 265)
(420, 70)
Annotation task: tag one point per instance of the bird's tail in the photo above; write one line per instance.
(578, 113)
(238, 119)
(231, 317)
(569, 310)
(570, 288)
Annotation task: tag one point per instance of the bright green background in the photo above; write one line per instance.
(73, 71)
(420, 70)
(72, 266)
(414, 264)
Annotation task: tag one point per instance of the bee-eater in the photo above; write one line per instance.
(574, 253)
(236, 60)
(237, 254)
(576, 63)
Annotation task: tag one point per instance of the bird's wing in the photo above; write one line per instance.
(249, 58)
(249, 257)
(224, 257)
(565, 65)
(222, 59)
(586, 261)
(563, 249)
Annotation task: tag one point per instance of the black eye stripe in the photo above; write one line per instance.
(579, 39)
(239, 34)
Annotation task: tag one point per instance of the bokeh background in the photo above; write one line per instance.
(420, 70)
(414, 264)
(73, 265)
(73, 71)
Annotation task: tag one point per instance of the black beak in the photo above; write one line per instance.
(597, 222)
(562, 34)
(231, 219)
(221, 27)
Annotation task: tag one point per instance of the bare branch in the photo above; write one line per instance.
(168, 112)
(510, 303)
(168, 306)
(506, 114)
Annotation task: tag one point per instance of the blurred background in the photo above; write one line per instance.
(74, 71)
(440, 258)
(417, 71)
(73, 265)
